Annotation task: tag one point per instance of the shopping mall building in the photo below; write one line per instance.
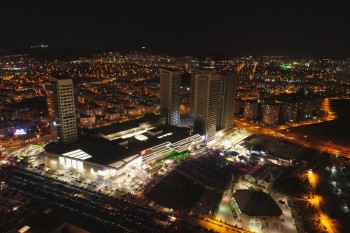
(108, 151)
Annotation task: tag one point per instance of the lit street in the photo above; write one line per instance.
(175, 117)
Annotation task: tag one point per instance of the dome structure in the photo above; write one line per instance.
(256, 203)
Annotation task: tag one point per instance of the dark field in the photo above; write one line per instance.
(336, 131)
(177, 192)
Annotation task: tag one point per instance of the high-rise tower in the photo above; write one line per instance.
(212, 102)
(206, 102)
(228, 100)
(62, 103)
(170, 96)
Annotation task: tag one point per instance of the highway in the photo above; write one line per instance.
(325, 107)
(302, 140)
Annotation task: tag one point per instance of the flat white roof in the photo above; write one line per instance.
(77, 154)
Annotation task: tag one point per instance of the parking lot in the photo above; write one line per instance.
(110, 214)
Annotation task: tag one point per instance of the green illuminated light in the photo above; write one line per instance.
(178, 156)
(284, 66)
(172, 155)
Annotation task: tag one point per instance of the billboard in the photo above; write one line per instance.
(20, 132)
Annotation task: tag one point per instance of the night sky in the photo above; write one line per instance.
(261, 27)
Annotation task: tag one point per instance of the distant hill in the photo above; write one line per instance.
(54, 53)
(60, 53)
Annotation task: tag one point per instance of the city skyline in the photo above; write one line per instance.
(239, 123)
(175, 116)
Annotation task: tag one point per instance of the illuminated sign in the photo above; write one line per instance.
(180, 155)
(20, 132)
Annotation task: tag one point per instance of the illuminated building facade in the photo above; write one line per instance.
(212, 102)
(251, 109)
(229, 96)
(309, 108)
(290, 112)
(62, 105)
(111, 150)
(15, 127)
(207, 103)
(271, 113)
(170, 99)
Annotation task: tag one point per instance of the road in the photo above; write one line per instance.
(217, 226)
(22, 143)
(297, 139)
(326, 221)
(302, 140)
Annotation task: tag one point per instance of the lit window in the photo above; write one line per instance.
(61, 159)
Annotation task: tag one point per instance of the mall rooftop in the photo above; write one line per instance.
(118, 142)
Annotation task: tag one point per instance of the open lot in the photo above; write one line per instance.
(177, 192)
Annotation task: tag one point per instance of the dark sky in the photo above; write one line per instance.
(244, 27)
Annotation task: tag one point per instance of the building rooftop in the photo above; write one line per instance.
(103, 151)
(49, 220)
(100, 150)
(256, 203)
(271, 174)
(257, 171)
(265, 171)
(117, 127)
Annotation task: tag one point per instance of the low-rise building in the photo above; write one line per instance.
(251, 109)
(111, 115)
(256, 209)
(87, 120)
(271, 113)
(263, 175)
